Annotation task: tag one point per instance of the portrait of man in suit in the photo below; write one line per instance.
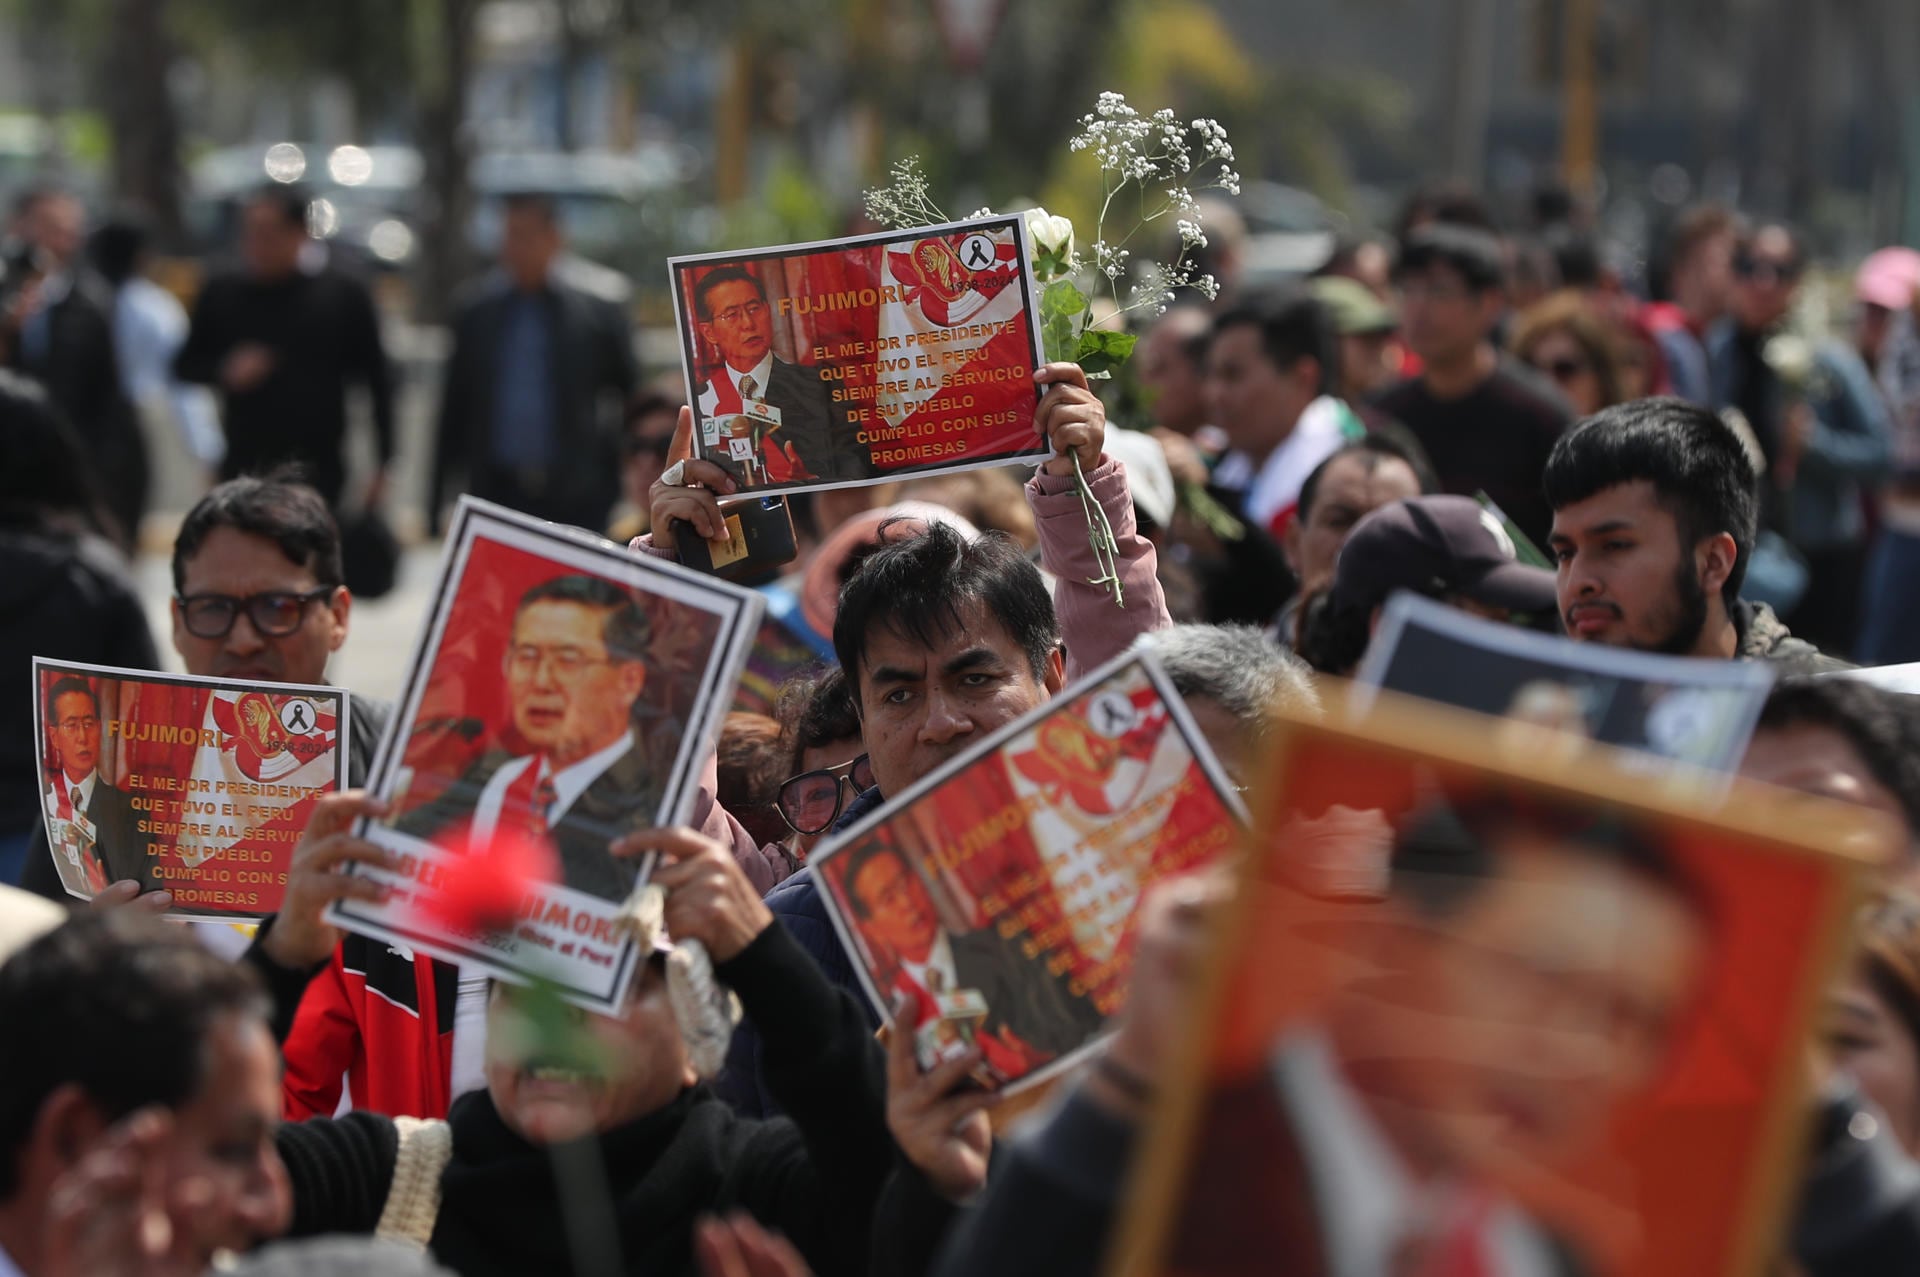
(1020, 1014)
(781, 414)
(94, 830)
(577, 776)
(1526, 975)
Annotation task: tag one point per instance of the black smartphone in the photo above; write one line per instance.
(759, 539)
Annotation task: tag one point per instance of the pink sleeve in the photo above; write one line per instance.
(1095, 628)
(716, 822)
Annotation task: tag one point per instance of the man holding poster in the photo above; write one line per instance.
(95, 829)
(574, 669)
(773, 420)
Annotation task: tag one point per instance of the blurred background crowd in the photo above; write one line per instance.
(240, 234)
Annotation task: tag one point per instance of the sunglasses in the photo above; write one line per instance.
(1564, 370)
(276, 614)
(812, 801)
(1761, 270)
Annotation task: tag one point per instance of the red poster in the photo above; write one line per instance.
(997, 895)
(1564, 1029)
(863, 360)
(566, 692)
(199, 786)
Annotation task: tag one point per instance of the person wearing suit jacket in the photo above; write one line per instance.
(99, 841)
(814, 438)
(575, 667)
(1031, 1014)
(540, 372)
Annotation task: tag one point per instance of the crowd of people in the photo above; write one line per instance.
(1509, 424)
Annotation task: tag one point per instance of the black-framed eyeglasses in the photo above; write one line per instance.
(812, 801)
(275, 614)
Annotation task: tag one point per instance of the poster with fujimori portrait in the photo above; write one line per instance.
(565, 690)
(862, 360)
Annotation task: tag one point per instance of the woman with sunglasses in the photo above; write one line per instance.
(1565, 340)
(830, 765)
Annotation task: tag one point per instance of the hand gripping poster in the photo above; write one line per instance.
(1570, 1037)
(862, 360)
(996, 897)
(565, 692)
(199, 786)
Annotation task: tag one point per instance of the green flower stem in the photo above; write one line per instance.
(1106, 551)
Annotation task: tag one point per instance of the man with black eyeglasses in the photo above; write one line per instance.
(258, 594)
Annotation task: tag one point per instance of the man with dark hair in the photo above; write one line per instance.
(942, 639)
(1696, 287)
(541, 370)
(1654, 507)
(257, 595)
(1844, 739)
(1354, 481)
(119, 1025)
(57, 327)
(813, 437)
(281, 341)
(96, 830)
(1272, 364)
(1031, 1015)
(1486, 423)
(575, 666)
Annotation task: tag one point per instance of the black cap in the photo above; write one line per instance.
(1437, 546)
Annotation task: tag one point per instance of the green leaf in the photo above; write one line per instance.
(1101, 351)
(1062, 298)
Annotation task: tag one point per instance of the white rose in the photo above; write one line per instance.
(1052, 236)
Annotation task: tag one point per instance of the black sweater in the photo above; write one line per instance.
(813, 1176)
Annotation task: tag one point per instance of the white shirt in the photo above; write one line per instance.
(940, 959)
(760, 372)
(66, 788)
(1316, 436)
(1365, 1197)
(568, 784)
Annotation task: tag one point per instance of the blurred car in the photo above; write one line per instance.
(366, 200)
(1290, 232)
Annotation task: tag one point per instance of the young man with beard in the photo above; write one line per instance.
(1654, 511)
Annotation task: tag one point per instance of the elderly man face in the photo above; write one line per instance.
(569, 695)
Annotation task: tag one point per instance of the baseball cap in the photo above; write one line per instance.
(1436, 545)
(1355, 310)
(1888, 278)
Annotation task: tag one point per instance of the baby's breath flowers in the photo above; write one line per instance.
(1157, 162)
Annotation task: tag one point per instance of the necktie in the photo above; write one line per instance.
(524, 807)
(748, 387)
(89, 850)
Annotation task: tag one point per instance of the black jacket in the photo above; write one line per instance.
(814, 1177)
(324, 334)
(81, 372)
(593, 374)
(67, 597)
